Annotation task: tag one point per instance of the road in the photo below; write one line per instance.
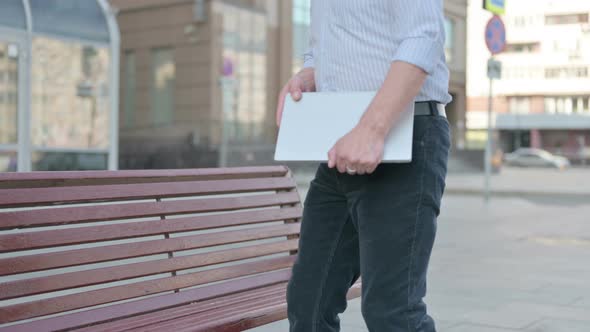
(513, 265)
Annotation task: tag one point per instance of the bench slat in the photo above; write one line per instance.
(75, 178)
(117, 293)
(150, 305)
(83, 194)
(123, 251)
(189, 309)
(71, 236)
(39, 285)
(71, 215)
(232, 318)
(204, 321)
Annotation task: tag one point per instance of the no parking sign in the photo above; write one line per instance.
(495, 35)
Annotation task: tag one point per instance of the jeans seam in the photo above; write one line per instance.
(316, 311)
(418, 206)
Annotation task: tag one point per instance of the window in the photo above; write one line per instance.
(8, 95)
(523, 48)
(566, 72)
(301, 21)
(129, 89)
(70, 18)
(566, 19)
(244, 86)
(13, 14)
(567, 105)
(162, 85)
(70, 107)
(519, 105)
(449, 38)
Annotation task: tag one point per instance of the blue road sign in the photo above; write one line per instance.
(495, 35)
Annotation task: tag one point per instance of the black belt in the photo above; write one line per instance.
(433, 108)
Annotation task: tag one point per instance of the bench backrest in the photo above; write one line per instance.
(75, 240)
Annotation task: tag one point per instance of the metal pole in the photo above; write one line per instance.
(488, 153)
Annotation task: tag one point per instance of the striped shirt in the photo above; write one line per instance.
(354, 42)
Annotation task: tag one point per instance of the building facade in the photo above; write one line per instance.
(200, 79)
(543, 97)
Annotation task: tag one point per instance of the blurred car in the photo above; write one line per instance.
(527, 157)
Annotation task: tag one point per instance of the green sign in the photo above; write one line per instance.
(497, 7)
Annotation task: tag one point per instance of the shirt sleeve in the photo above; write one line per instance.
(308, 61)
(308, 56)
(418, 23)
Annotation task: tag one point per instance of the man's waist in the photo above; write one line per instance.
(431, 107)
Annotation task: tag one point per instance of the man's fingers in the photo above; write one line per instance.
(296, 93)
(281, 105)
(341, 165)
(331, 158)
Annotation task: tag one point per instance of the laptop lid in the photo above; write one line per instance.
(311, 127)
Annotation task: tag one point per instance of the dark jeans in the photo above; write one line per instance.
(381, 226)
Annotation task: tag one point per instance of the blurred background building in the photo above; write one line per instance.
(58, 85)
(194, 83)
(200, 79)
(542, 100)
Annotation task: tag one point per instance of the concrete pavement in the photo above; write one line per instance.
(512, 265)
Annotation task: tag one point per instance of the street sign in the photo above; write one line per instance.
(495, 35)
(494, 69)
(498, 7)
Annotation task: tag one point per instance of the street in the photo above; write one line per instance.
(512, 265)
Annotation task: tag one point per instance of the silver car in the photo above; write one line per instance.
(528, 157)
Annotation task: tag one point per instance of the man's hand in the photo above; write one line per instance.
(358, 152)
(361, 150)
(304, 81)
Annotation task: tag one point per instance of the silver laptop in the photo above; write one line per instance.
(311, 127)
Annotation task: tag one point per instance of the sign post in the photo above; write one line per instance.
(495, 36)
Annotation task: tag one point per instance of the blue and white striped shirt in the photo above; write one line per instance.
(354, 42)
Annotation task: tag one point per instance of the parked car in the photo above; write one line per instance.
(527, 157)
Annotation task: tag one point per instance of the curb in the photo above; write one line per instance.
(517, 193)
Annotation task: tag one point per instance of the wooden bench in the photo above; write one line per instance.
(170, 250)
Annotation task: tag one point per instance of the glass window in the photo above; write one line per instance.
(449, 38)
(12, 14)
(566, 19)
(8, 161)
(70, 18)
(129, 89)
(70, 101)
(163, 81)
(520, 105)
(69, 161)
(301, 22)
(244, 98)
(8, 93)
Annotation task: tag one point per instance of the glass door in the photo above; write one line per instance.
(10, 69)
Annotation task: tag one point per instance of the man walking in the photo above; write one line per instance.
(362, 217)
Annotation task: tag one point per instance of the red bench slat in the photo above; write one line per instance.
(143, 288)
(123, 251)
(82, 194)
(74, 178)
(150, 305)
(71, 236)
(39, 285)
(71, 215)
(189, 309)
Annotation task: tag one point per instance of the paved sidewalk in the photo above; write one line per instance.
(512, 182)
(513, 265)
(572, 182)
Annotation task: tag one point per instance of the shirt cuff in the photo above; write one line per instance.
(308, 61)
(419, 51)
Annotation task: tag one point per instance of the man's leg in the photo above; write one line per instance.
(328, 260)
(396, 210)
